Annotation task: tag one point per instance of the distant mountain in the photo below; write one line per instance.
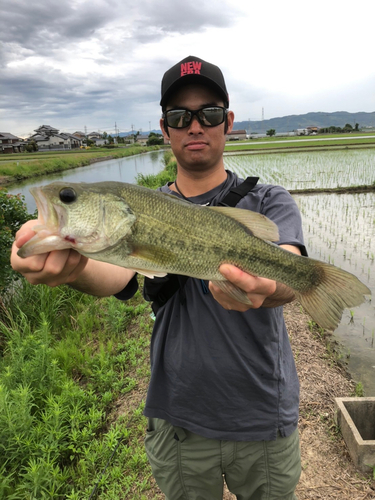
(293, 122)
(321, 119)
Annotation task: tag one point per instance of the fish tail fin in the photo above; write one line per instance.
(336, 291)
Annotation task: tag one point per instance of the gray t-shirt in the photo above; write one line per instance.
(224, 374)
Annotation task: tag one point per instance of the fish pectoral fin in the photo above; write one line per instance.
(233, 291)
(259, 225)
(153, 258)
(154, 254)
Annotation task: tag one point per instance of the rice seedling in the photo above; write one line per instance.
(324, 169)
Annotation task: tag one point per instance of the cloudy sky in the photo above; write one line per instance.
(78, 64)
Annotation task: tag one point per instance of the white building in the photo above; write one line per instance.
(50, 138)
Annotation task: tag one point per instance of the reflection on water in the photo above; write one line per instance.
(121, 170)
(340, 229)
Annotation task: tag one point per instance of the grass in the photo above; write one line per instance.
(67, 358)
(317, 142)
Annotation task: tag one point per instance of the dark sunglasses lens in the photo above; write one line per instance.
(181, 118)
(211, 116)
(178, 118)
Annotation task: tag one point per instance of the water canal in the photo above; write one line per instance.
(121, 170)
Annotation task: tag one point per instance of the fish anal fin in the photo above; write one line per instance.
(233, 291)
(149, 274)
(259, 225)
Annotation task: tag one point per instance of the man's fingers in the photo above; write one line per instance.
(239, 278)
(25, 233)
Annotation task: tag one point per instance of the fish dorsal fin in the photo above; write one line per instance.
(258, 224)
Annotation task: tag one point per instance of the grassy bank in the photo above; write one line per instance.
(18, 167)
(302, 143)
(67, 360)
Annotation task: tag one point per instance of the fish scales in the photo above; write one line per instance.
(191, 231)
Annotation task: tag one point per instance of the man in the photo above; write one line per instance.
(223, 396)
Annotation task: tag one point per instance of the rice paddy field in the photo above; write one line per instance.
(338, 228)
(308, 170)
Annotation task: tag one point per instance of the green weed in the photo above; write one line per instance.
(66, 358)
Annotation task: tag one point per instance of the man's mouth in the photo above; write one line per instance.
(195, 145)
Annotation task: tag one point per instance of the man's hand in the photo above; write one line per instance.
(257, 289)
(61, 267)
(262, 292)
(53, 268)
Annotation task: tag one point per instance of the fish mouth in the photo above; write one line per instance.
(47, 237)
(46, 210)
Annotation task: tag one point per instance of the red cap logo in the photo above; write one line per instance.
(191, 68)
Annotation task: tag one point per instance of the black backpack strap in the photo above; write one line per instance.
(236, 194)
(174, 282)
(160, 293)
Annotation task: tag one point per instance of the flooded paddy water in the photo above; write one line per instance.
(310, 170)
(338, 228)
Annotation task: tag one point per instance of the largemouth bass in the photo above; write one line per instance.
(155, 234)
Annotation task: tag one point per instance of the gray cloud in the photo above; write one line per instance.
(46, 25)
(39, 25)
(38, 37)
(190, 18)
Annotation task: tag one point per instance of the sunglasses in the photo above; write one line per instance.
(208, 117)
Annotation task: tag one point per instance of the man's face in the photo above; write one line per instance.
(197, 147)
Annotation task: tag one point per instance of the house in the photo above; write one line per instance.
(301, 131)
(98, 141)
(312, 130)
(236, 135)
(142, 139)
(50, 138)
(307, 131)
(74, 141)
(94, 135)
(80, 135)
(10, 143)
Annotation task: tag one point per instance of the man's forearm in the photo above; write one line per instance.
(102, 279)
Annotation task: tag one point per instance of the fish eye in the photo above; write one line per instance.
(67, 195)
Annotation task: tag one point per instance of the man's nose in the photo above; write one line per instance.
(195, 126)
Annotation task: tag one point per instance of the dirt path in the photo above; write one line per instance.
(327, 470)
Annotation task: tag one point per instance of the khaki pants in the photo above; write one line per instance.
(190, 467)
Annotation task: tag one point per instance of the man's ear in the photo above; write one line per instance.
(230, 121)
(164, 130)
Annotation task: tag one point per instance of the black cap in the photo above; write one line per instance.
(193, 70)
